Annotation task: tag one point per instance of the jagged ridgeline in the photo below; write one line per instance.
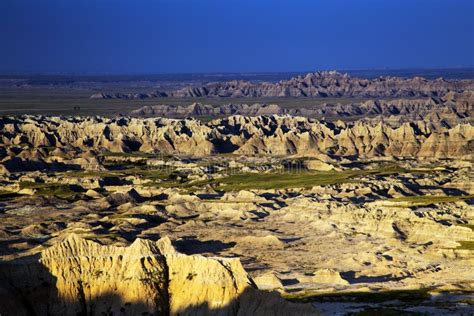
(449, 110)
(271, 135)
(318, 84)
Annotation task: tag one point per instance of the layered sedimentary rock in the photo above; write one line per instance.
(323, 84)
(198, 109)
(318, 84)
(448, 110)
(127, 96)
(274, 135)
(81, 277)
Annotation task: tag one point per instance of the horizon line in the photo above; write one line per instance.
(66, 73)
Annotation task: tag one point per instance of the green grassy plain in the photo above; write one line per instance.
(283, 179)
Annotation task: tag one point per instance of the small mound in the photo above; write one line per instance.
(328, 276)
(318, 165)
(266, 241)
(268, 281)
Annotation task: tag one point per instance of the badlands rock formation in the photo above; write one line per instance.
(271, 135)
(307, 227)
(449, 110)
(81, 277)
(393, 225)
(325, 212)
(318, 84)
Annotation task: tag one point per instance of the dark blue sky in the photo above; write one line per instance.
(166, 36)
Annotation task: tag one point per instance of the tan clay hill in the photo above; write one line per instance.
(318, 84)
(81, 277)
(272, 135)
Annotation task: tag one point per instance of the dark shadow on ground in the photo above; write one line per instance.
(350, 276)
(195, 246)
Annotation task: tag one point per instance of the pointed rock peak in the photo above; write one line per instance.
(71, 240)
(137, 243)
(72, 245)
(165, 246)
(75, 240)
(143, 247)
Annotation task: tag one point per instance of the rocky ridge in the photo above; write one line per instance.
(317, 84)
(449, 110)
(272, 135)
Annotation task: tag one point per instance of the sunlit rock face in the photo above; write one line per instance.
(81, 277)
(270, 135)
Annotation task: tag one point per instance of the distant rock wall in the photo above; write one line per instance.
(329, 84)
(449, 110)
(318, 84)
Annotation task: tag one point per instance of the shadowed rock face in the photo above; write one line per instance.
(318, 84)
(271, 135)
(80, 277)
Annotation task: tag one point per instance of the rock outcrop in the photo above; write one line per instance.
(449, 110)
(81, 277)
(128, 96)
(328, 276)
(271, 135)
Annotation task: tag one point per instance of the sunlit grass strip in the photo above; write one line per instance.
(49, 189)
(431, 199)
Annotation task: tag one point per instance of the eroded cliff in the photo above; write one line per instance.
(81, 277)
(273, 135)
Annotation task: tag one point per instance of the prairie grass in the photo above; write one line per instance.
(49, 189)
(431, 199)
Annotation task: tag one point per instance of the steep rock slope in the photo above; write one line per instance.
(81, 277)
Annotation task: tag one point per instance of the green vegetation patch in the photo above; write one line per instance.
(139, 171)
(301, 178)
(282, 180)
(234, 179)
(50, 189)
(466, 245)
(431, 199)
